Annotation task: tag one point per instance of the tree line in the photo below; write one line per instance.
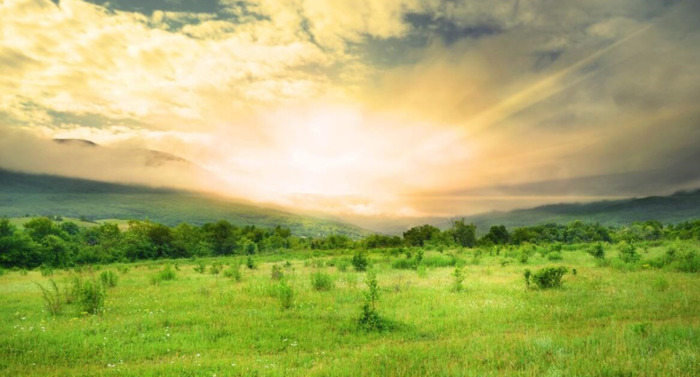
(44, 242)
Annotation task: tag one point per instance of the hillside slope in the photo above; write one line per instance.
(32, 194)
(674, 208)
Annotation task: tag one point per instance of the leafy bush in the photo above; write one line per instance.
(165, 274)
(369, 319)
(679, 258)
(250, 263)
(276, 273)
(215, 268)
(109, 278)
(342, 265)
(200, 267)
(52, 298)
(46, 270)
(527, 275)
(628, 252)
(402, 264)
(457, 279)
(597, 251)
(285, 295)
(360, 262)
(233, 272)
(440, 261)
(549, 277)
(554, 255)
(92, 296)
(321, 281)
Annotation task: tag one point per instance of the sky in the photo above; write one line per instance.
(384, 108)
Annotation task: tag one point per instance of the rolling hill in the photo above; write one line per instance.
(675, 208)
(23, 194)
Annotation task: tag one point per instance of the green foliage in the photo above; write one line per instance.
(342, 265)
(46, 270)
(215, 268)
(555, 255)
(464, 235)
(200, 267)
(597, 251)
(92, 296)
(109, 278)
(457, 279)
(546, 278)
(234, 272)
(527, 275)
(369, 319)
(165, 274)
(285, 295)
(679, 257)
(628, 252)
(359, 261)
(419, 235)
(52, 298)
(322, 282)
(250, 263)
(439, 260)
(276, 272)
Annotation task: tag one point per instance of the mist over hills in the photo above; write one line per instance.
(34, 194)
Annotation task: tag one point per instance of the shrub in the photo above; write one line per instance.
(554, 255)
(285, 295)
(342, 265)
(92, 296)
(321, 281)
(369, 319)
(628, 252)
(46, 270)
(109, 278)
(215, 268)
(233, 272)
(276, 272)
(360, 262)
(200, 267)
(549, 277)
(165, 274)
(527, 274)
(402, 264)
(72, 294)
(457, 279)
(597, 251)
(523, 257)
(250, 263)
(440, 261)
(52, 298)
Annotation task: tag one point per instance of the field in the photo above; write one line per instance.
(604, 321)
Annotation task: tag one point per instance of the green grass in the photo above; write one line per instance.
(605, 321)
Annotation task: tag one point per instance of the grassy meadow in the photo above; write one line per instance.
(217, 317)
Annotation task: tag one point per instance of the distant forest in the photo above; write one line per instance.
(55, 243)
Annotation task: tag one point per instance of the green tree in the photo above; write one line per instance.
(419, 235)
(463, 234)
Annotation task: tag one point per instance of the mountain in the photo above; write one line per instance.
(681, 206)
(34, 194)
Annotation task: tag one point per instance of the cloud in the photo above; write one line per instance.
(361, 107)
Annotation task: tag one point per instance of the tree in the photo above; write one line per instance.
(498, 235)
(418, 235)
(463, 234)
(222, 237)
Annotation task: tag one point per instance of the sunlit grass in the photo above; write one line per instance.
(604, 321)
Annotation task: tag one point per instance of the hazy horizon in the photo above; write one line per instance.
(394, 108)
